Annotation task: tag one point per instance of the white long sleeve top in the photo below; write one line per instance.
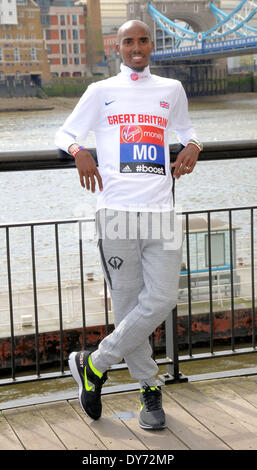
(131, 115)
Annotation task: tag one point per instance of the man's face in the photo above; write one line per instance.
(135, 47)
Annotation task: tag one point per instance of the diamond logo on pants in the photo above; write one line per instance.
(115, 262)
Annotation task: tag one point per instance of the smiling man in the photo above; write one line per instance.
(135, 45)
(132, 115)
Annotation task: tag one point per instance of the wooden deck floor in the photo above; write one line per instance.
(209, 415)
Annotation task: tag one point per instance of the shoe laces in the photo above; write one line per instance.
(152, 398)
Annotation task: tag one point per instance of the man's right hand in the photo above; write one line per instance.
(87, 170)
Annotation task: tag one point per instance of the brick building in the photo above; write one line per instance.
(109, 44)
(65, 40)
(23, 57)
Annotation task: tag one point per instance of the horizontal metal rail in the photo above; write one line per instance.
(56, 159)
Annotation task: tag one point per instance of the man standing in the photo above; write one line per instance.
(131, 115)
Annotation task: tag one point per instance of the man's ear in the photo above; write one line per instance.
(117, 47)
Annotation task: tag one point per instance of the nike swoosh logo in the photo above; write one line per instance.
(110, 102)
(88, 388)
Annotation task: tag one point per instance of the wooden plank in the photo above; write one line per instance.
(246, 387)
(69, 427)
(110, 430)
(203, 408)
(126, 406)
(188, 429)
(234, 404)
(8, 438)
(32, 430)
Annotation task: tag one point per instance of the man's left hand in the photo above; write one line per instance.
(185, 161)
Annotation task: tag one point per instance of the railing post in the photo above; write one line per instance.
(171, 330)
(171, 327)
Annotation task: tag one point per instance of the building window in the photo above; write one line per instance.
(17, 76)
(131, 8)
(62, 19)
(76, 60)
(63, 34)
(74, 19)
(75, 34)
(45, 20)
(196, 8)
(64, 61)
(33, 53)
(31, 27)
(64, 48)
(1, 54)
(17, 56)
(164, 8)
(75, 48)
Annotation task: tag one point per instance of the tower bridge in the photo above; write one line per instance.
(197, 28)
(193, 38)
(196, 13)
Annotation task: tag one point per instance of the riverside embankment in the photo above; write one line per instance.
(59, 102)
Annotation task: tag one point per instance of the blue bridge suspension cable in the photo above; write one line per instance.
(220, 14)
(166, 24)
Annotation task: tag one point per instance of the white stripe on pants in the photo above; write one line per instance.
(142, 274)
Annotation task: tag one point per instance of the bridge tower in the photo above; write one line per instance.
(194, 12)
(196, 75)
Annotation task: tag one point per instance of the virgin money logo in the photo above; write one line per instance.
(132, 134)
(134, 77)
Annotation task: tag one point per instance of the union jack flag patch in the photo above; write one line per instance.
(164, 104)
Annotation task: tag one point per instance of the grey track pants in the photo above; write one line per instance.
(141, 268)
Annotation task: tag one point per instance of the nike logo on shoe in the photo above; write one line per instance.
(87, 382)
(109, 102)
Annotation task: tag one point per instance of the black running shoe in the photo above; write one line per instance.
(90, 382)
(152, 415)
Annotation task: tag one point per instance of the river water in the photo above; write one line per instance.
(50, 195)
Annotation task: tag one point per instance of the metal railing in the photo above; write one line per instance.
(199, 284)
(57, 159)
(238, 282)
